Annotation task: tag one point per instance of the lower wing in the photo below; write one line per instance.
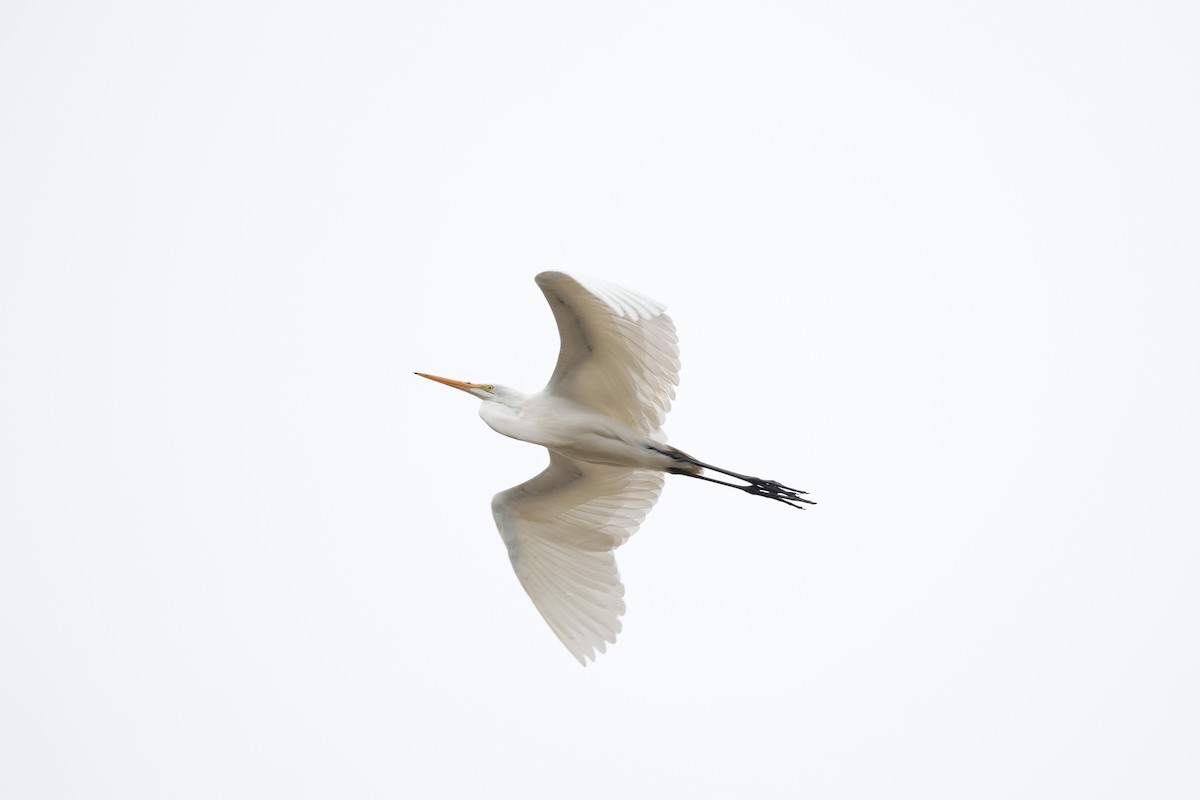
(561, 528)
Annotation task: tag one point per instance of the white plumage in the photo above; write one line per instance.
(601, 418)
(561, 529)
(619, 353)
(619, 357)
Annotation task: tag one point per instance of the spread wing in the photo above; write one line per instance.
(619, 353)
(561, 528)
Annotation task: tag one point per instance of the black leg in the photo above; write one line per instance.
(757, 486)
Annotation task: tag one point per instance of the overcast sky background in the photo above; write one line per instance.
(935, 262)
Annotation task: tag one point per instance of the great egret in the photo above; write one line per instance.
(601, 418)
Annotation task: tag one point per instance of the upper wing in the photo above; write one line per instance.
(619, 353)
(561, 528)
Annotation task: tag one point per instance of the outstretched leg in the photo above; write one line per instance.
(756, 486)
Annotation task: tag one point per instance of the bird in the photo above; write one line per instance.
(600, 417)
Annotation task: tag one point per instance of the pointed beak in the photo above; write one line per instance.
(466, 387)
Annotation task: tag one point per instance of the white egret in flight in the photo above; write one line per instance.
(601, 418)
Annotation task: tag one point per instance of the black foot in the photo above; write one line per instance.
(777, 491)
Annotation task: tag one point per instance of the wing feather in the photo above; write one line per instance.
(561, 528)
(619, 354)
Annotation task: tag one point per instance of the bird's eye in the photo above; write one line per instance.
(489, 387)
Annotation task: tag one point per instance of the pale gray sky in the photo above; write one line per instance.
(935, 262)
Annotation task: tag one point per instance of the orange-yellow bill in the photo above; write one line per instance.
(451, 382)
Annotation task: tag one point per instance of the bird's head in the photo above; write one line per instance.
(484, 391)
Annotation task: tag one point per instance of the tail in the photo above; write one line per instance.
(684, 463)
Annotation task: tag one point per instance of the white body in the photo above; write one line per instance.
(574, 431)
